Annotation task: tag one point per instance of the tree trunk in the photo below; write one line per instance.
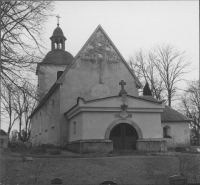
(169, 98)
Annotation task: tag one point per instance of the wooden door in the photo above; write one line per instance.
(124, 137)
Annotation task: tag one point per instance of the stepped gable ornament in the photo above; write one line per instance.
(123, 114)
(98, 49)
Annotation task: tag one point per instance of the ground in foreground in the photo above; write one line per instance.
(135, 170)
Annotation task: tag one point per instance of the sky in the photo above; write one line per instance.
(131, 25)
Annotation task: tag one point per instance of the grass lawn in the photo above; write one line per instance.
(140, 170)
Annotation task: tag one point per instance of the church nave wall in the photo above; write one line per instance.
(47, 121)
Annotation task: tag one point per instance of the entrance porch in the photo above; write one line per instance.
(108, 124)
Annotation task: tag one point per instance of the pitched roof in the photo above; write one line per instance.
(150, 98)
(171, 115)
(3, 133)
(60, 80)
(123, 60)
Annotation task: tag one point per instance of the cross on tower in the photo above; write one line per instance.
(58, 19)
(123, 91)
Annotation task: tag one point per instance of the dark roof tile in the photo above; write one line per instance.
(3, 133)
(58, 57)
(171, 115)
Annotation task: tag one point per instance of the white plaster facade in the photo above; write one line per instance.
(47, 76)
(180, 133)
(60, 119)
(93, 118)
(45, 126)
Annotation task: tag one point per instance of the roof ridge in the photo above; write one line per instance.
(75, 58)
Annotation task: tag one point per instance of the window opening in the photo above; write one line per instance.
(74, 127)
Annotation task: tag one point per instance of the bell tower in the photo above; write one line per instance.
(58, 39)
(54, 63)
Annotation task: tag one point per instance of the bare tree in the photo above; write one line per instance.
(13, 136)
(22, 26)
(18, 105)
(191, 107)
(7, 94)
(142, 64)
(23, 106)
(171, 65)
(21, 37)
(162, 67)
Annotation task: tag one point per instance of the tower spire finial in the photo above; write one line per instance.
(58, 19)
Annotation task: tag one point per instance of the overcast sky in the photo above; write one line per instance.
(131, 25)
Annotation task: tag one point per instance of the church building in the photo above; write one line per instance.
(90, 102)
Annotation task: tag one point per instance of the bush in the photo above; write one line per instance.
(38, 150)
(49, 145)
(180, 149)
(20, 147)
(13, 144)
(189, 166)
(55, 152)
(42, 148)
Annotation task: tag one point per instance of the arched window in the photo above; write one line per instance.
(167, 133)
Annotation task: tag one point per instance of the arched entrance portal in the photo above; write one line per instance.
(124, 137)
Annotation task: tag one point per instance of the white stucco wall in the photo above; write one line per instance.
(47, 76)
(95, 124)
(82, 80)
(44, 119)
(180, 133)
(149, 123)
(100, 115)
(77, 135)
